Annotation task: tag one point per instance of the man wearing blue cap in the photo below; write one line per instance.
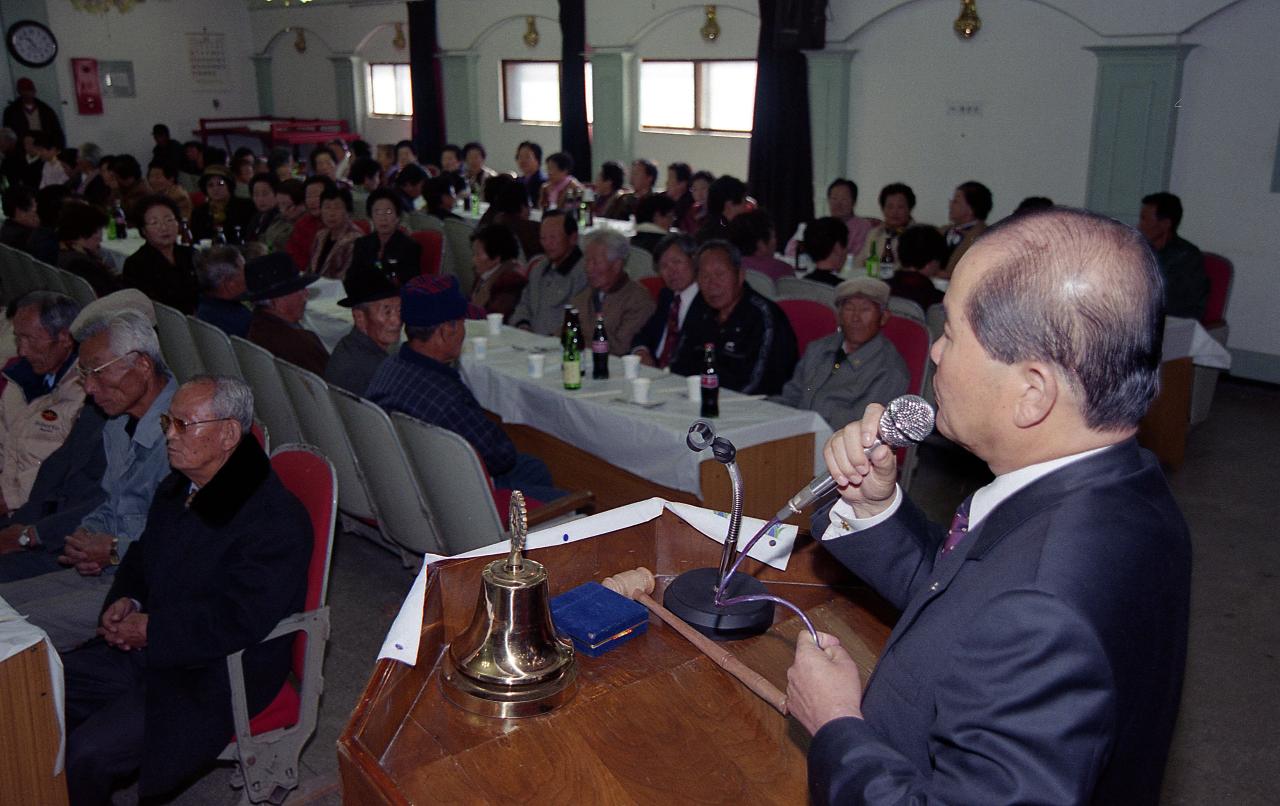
(421, 381)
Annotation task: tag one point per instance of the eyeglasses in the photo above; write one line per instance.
(180, 427)
(169, 221)
(96, 372)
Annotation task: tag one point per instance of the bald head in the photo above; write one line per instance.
(1079, 291)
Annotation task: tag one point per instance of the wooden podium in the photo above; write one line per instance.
(652, 720)
(29, 733)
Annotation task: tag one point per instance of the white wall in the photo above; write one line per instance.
(1223, 160)
(1027, 72)
(152, 36)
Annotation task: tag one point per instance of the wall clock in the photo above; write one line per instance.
(31, 43)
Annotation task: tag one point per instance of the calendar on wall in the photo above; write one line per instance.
(207, 54)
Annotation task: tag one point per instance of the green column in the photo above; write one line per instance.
(348, 77)
(829, 77)
(1135, 116)
(614, 96)
(460, 71)
(262, 74)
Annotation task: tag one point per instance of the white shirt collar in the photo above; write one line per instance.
(989, 497)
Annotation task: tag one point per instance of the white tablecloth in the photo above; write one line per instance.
(16, 635)
(649, 442)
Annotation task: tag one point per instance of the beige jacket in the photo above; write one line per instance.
(29, 432)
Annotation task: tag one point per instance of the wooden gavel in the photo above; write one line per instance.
(638, 583)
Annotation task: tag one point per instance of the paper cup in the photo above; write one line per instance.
(480, 347)
(694, 384)
(495, 324)
(640, 390)
(537, 363)
(630, 366)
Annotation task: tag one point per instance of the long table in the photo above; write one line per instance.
(593, 438)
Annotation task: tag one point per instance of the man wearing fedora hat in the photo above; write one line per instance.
(279, 295)
(421, 381)
(375, 308)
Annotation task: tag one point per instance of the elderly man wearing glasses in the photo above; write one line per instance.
(222, 560)
(122, 370)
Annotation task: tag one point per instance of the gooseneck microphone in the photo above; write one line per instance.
(906, 421)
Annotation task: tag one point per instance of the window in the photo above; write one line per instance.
(707, 96)
(531, 92)
(390, 90)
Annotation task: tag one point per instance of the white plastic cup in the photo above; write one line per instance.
(537, 363)
(693, 384)
(640, 390)
(495, 324)
(480, 347)
(631, 366)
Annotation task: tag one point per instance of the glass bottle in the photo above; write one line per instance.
(873, 262)
(710, 382)
(571, 362)
(600, 351)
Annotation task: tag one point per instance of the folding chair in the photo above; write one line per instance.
(78, 288)
(470, 511)
(911, 339)
(267, 747)
(639, 263)
(270, 400)
(810, 320)
(432, 244)
(404, 515)
(907, 309)
(762, 283)
(176, 343)
(214, 344)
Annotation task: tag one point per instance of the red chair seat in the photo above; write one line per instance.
(810, 320)
(502, 500)
(281, 712)
(654, 284)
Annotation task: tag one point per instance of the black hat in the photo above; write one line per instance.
(274, 275)
(366, 284)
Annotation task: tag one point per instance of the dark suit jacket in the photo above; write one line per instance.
(213, 578)
(1039, 662)
(401, 260)
(651, 333)
(174, 284)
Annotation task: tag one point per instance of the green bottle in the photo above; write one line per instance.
(873, 262)
(571, 363)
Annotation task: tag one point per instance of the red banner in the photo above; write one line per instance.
(88, 87)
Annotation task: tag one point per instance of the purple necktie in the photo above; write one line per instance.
(959, 527)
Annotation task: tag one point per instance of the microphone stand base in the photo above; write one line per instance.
(691, 596)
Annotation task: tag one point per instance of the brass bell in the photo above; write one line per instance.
(509, 661)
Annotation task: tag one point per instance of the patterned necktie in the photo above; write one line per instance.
(673, 333)
(959, 527)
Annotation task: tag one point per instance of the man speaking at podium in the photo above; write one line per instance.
(1040, 651)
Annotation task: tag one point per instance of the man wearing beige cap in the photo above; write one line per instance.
(841, 373)
(122, 371)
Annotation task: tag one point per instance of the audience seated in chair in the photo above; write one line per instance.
(921, 252)
(421, 382)
(657, 340)
(499, 278)
(223, 214)
(222, 289)
(279, 295)
(162, 176)
(624, 303)
(896, 203)
(840, 374)
(386, 250)
(555, 276)
(162, 268)
(331, 250)
(655, 216)
(307, 225)
(80, 246)
(824, 241)
(755, 346)
(560, 184)
(1186, 285)
(612, 199)
(970, 205)
(43, 395)
(842, 197)
(374, 301)
(262, 194)
(122, 371)
(753, 233)
(531, 178)
(152, 695)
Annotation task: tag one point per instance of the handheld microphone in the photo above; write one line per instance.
(906, 420)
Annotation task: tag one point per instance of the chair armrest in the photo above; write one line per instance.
(573, 502)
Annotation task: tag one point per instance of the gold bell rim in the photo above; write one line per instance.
(507, 701)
